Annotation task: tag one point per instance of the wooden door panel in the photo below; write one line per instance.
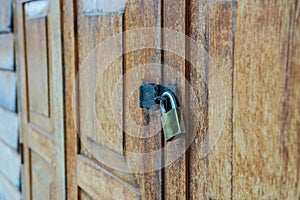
(38, 71)
(42, 175)
(92, 30)
(101, 184)
(42, 143)
(37, 68)
(101, 138)
(266, 134)
(40, 84)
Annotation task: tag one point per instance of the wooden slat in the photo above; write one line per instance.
(5, 16)
(8, 93)
(10, 164)
(8, 190)
(56, 61)
(290, 188)
(100, 184)
(7, 51)
(9, 126)
(21, 64)
(42, 144)
(220, 99)
(198, 31)
(70, 67)
(266, 100)
(210, 163)
(174, 13)
(138, 69)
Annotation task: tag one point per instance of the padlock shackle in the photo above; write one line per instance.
(172, 98)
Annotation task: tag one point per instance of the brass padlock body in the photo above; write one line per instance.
(173, 124)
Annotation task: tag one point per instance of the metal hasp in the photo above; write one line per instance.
(172, 117)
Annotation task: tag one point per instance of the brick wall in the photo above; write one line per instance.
(9, 153)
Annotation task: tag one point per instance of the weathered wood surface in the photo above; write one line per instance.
(8, 91)
(5, 15)
(37, 71)
(7, 190)
(42, 179)
(92, 31)
(9, 126)
(174, 18)
(101, 184)
(40, 73)
(7, 51)
(140, 66)
(254, 46)
(70, 69)
(266, 101)
(10, 164)
(210, 154)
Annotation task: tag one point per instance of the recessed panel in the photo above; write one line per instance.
(37, 66)
(100, 113)
(42, 178)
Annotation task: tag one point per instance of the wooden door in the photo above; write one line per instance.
(93, 166)
(41, 99)
(242, 59)
(236, 79)
(89, 176)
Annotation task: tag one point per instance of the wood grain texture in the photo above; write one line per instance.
(21, 70)
(109, 186)
(70, 70)
(37, 61)
(266, 101)
(141, 66)
(56, 61)
(92, 31)
(211, 27)
(174, 18)
(220, 99)
(42, 144)
(42, 178)
(52, 43)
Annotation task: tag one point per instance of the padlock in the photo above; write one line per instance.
(172, 120)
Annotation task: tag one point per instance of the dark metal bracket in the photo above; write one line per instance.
(150, 94)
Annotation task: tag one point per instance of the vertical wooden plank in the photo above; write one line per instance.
(198, 31)
(290, 112)
(174, 18)
(58, 99)
(70, 69)
(220, 99)
(141, 14)
(266, 100)
(22, 96)
(211, 27)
